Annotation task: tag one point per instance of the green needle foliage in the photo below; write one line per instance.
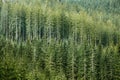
(59, 40)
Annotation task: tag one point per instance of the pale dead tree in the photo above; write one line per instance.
(3, 1)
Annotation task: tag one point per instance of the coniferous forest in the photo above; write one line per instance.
(59, 39)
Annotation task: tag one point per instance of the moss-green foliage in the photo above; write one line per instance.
(60, 40)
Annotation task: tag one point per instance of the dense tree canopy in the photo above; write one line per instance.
(60, 40)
